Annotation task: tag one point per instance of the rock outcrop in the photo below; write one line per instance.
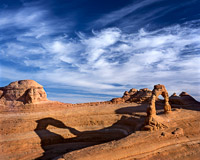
(183, 99)
(134, 95)
(26, 91)
(151, 110)
(118, 100)
(158, 90)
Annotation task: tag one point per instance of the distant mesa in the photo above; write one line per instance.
(26, 91)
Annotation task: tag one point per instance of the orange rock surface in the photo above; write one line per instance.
(134, 95)
(25, 91)
(98, 130)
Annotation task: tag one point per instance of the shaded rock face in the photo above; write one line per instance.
(26, 91)
(134, 95)
(183, 99)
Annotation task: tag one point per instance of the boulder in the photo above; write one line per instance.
(178, 132)
(26, 91)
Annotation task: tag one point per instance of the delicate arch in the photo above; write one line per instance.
(158, 90)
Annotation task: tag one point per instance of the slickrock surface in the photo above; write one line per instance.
(99, 130)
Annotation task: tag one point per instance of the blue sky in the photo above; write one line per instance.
(94, 50)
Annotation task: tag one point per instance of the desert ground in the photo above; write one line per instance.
(33, 127)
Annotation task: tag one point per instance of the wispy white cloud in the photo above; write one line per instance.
(142, 13)
(119, 14)
(32, 22)
(107, 62)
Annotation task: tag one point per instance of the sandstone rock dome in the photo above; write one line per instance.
(22, 84)
(26, 91)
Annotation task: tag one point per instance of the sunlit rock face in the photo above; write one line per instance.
(159, 89)
(26, 91)
(151, 120)
(134, 95)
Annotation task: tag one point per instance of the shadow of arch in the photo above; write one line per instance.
(54, 144)
(137, 110)
(131, 110)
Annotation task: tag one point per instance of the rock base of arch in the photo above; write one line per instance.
(153, 123)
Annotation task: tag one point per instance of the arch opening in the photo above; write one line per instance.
(158, 91)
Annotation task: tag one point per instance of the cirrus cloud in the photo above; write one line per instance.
(106, 61)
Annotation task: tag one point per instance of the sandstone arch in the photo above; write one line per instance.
(158, 90)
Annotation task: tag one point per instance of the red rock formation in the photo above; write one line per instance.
(183, 99)
(1, 93)
(26, 91)
(151, 122)
(133, 95)
(158, 90)
(117, 100)
(141, 95)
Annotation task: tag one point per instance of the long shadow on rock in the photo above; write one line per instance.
(133, 110)
(194, 107)
(140, 110)
(185, 102)
(54, 144)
